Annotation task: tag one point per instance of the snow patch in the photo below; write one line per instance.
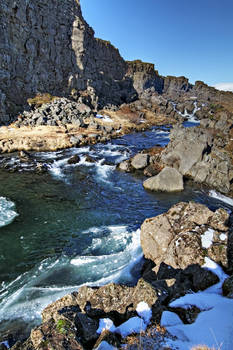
(133, 325)
(144, 311)
(170, 319)
(105, 324)
(207, 238)
(223, 236)
(213, 326)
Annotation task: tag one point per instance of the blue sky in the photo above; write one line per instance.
(181, 37)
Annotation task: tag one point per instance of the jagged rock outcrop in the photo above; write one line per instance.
(185, 235)
(144, 76)
(48, 47)
(202, 154)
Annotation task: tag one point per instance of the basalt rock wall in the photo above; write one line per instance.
(46, 46)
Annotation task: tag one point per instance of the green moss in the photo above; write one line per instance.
(63, 326)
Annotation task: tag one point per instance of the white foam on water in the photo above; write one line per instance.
(57, 168)
(29, 294)
(103, 171)
(113, 266)
(221, 197)
(7, 212)
(190, 116)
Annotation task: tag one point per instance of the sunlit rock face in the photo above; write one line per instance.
(48, 47)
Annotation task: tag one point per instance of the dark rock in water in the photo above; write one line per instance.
(41, 167)
(90, 159)
(125, 166)
(25, 156)
(74, 160)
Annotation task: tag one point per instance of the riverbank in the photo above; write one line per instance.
(63, 124)
(86, 215)
(105, 317)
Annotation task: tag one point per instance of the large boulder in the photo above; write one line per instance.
(168, 180)
(140, 161)
(185, 235)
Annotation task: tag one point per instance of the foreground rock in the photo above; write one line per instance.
(185, 235)
(178, 243)
(168, 180)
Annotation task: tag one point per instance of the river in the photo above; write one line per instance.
(76, 224)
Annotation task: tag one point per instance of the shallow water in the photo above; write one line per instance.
(77, 224)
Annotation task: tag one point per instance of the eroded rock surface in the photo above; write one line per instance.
(186, 235)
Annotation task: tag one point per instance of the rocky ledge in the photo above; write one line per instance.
(202, 154)
(176, 245)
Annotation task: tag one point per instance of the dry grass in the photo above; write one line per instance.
(40, 99)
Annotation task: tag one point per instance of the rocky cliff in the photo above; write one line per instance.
(48, 47)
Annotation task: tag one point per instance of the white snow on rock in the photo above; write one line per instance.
(105, 346)
(223, 236)
(213, 326)
(133, 325)
(170, 319)
(144, 311)
(207, 238)
(105, 118)
(105, 324)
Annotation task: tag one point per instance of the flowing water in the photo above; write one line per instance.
(77, 224)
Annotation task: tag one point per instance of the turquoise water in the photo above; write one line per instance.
(76, 224)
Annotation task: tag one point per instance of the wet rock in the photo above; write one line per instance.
(168, 180)
(139, 161)
(74, 160)
(25, 156)
(90, 159)
(125, 166)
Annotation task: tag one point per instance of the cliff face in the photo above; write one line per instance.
(48, 47)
